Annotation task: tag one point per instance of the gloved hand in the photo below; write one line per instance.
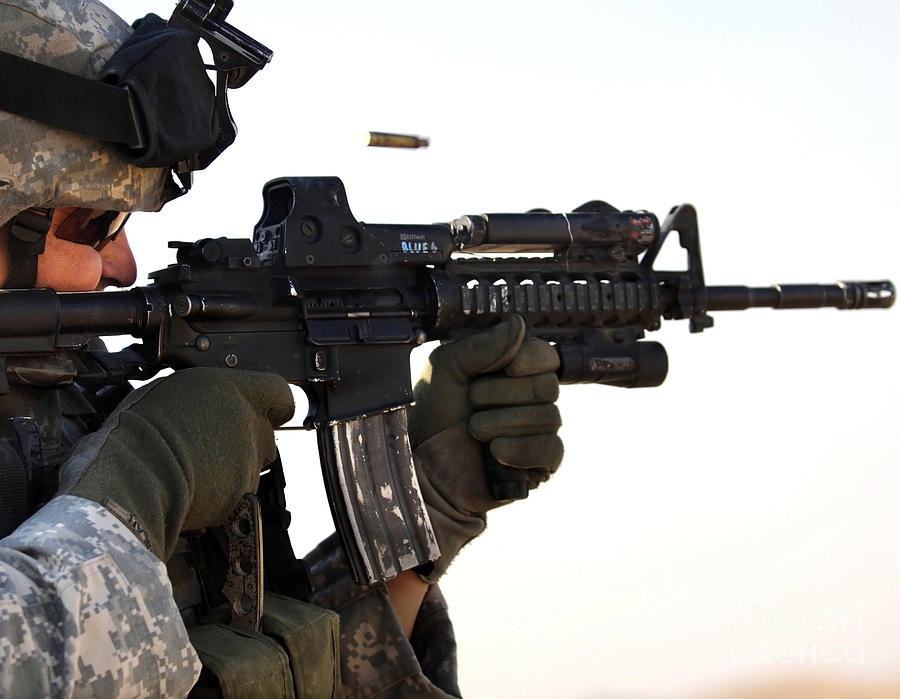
(496, 387)
(178, 453)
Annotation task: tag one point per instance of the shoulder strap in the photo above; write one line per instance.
(13, 472)
(21, 471)
(26, 241)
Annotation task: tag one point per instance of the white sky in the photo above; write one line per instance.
(741, 519)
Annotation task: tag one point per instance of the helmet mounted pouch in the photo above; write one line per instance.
(162, 68)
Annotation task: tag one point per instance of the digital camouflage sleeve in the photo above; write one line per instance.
(377, 660)
(86, 609)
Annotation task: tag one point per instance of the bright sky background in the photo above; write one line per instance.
(741, 520)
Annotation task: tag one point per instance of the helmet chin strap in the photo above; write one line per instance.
(26, 241)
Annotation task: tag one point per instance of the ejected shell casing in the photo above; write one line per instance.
(382, 139)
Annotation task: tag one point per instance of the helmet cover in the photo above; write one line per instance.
(41, 165)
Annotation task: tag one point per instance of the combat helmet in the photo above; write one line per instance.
(45, 166)
(96, 115)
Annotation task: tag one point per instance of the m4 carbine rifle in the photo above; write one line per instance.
(335, 306)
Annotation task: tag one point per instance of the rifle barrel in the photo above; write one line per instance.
(843, 295)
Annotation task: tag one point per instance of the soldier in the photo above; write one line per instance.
(98, 486)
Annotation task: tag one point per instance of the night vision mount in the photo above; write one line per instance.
(237, 57)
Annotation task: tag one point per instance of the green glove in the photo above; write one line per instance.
(496, 388)
(178, 453)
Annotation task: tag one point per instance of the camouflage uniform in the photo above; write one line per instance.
(86, 609)
(40, 163)
(376, 657)
(64, 631)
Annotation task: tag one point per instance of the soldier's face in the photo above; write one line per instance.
(79, 266)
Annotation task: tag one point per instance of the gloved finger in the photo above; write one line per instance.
(482, 352)
(536, 476)
(249, 403)
(262, 392)
(535, 356)
(499, 390)
(515, 421)
(541, 454)
(268, 393)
